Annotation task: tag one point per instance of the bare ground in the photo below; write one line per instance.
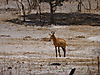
(26, 50)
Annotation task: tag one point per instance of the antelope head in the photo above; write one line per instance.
(52, 35)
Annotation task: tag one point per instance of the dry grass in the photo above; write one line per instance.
(85, 28)
(73, 61)
(80, 36)
(45, 39)
(69, 61)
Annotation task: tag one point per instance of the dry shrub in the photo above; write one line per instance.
(5, 36)
(27, 37)
(80, 36)
(42, 28)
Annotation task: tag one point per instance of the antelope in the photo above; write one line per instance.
(58, 42)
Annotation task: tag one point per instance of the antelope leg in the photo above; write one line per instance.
(59, 51)
(56, 51)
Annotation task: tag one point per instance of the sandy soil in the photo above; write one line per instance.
(26, 50)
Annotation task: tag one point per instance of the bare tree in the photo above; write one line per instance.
(22, 8)
(79, 5)
(31, 4)
(53, 5)
(7, 1)
(97, 1)
(89, 1)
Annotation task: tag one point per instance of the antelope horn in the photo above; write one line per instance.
(52, 32)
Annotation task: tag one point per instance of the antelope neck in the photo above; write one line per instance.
(54, 38)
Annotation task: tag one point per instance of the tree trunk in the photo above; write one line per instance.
(24, 15)
(7, 1)
(89, 4)
(22, 10)
(80, 6)
(51, 13)
(97, 4)
(29, 6)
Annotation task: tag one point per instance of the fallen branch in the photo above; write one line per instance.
(72, 71)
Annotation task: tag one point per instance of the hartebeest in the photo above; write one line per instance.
(58, 42)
